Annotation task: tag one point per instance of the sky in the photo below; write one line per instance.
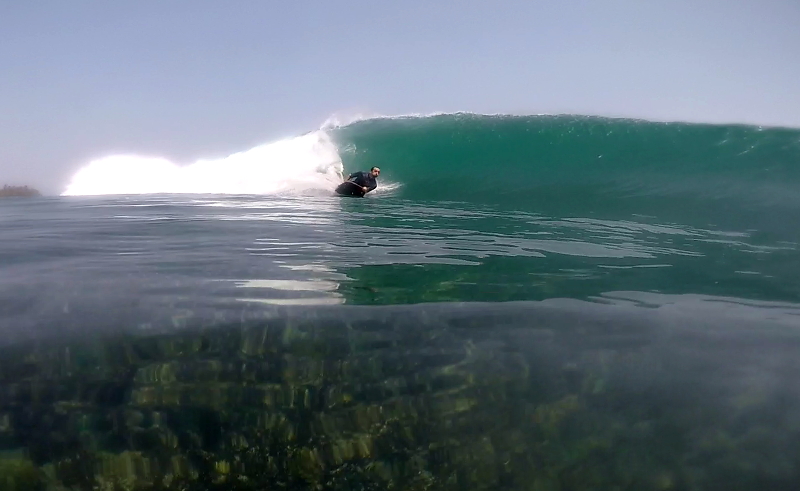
(185, 80)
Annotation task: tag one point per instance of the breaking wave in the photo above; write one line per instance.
(303, 163)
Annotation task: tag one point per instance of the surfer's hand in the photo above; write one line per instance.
(364, 188)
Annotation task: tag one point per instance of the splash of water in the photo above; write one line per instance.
(303, 163)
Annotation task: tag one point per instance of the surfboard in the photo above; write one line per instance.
(349, 188)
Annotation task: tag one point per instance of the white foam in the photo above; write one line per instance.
(303, 163)
(341, 120)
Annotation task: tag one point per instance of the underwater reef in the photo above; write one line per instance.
(389, 404)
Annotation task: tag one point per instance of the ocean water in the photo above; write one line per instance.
(534, 303)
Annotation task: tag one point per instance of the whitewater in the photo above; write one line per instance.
(300, 164)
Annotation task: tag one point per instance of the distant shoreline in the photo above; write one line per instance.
(18, 192)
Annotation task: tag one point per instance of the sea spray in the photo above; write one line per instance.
(307, 162)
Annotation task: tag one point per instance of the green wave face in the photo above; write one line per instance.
(567, 165)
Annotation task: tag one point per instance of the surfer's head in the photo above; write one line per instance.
(375, 171)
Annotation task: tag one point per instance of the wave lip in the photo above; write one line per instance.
(302, 163)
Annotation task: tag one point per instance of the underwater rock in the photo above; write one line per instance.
(19, 474)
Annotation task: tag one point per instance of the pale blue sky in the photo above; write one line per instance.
(191, 79)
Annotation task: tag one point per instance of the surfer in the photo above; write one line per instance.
(367, 180)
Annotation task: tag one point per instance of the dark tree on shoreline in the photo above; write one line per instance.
(18, 191)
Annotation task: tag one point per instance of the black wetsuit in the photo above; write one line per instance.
(363, 179)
